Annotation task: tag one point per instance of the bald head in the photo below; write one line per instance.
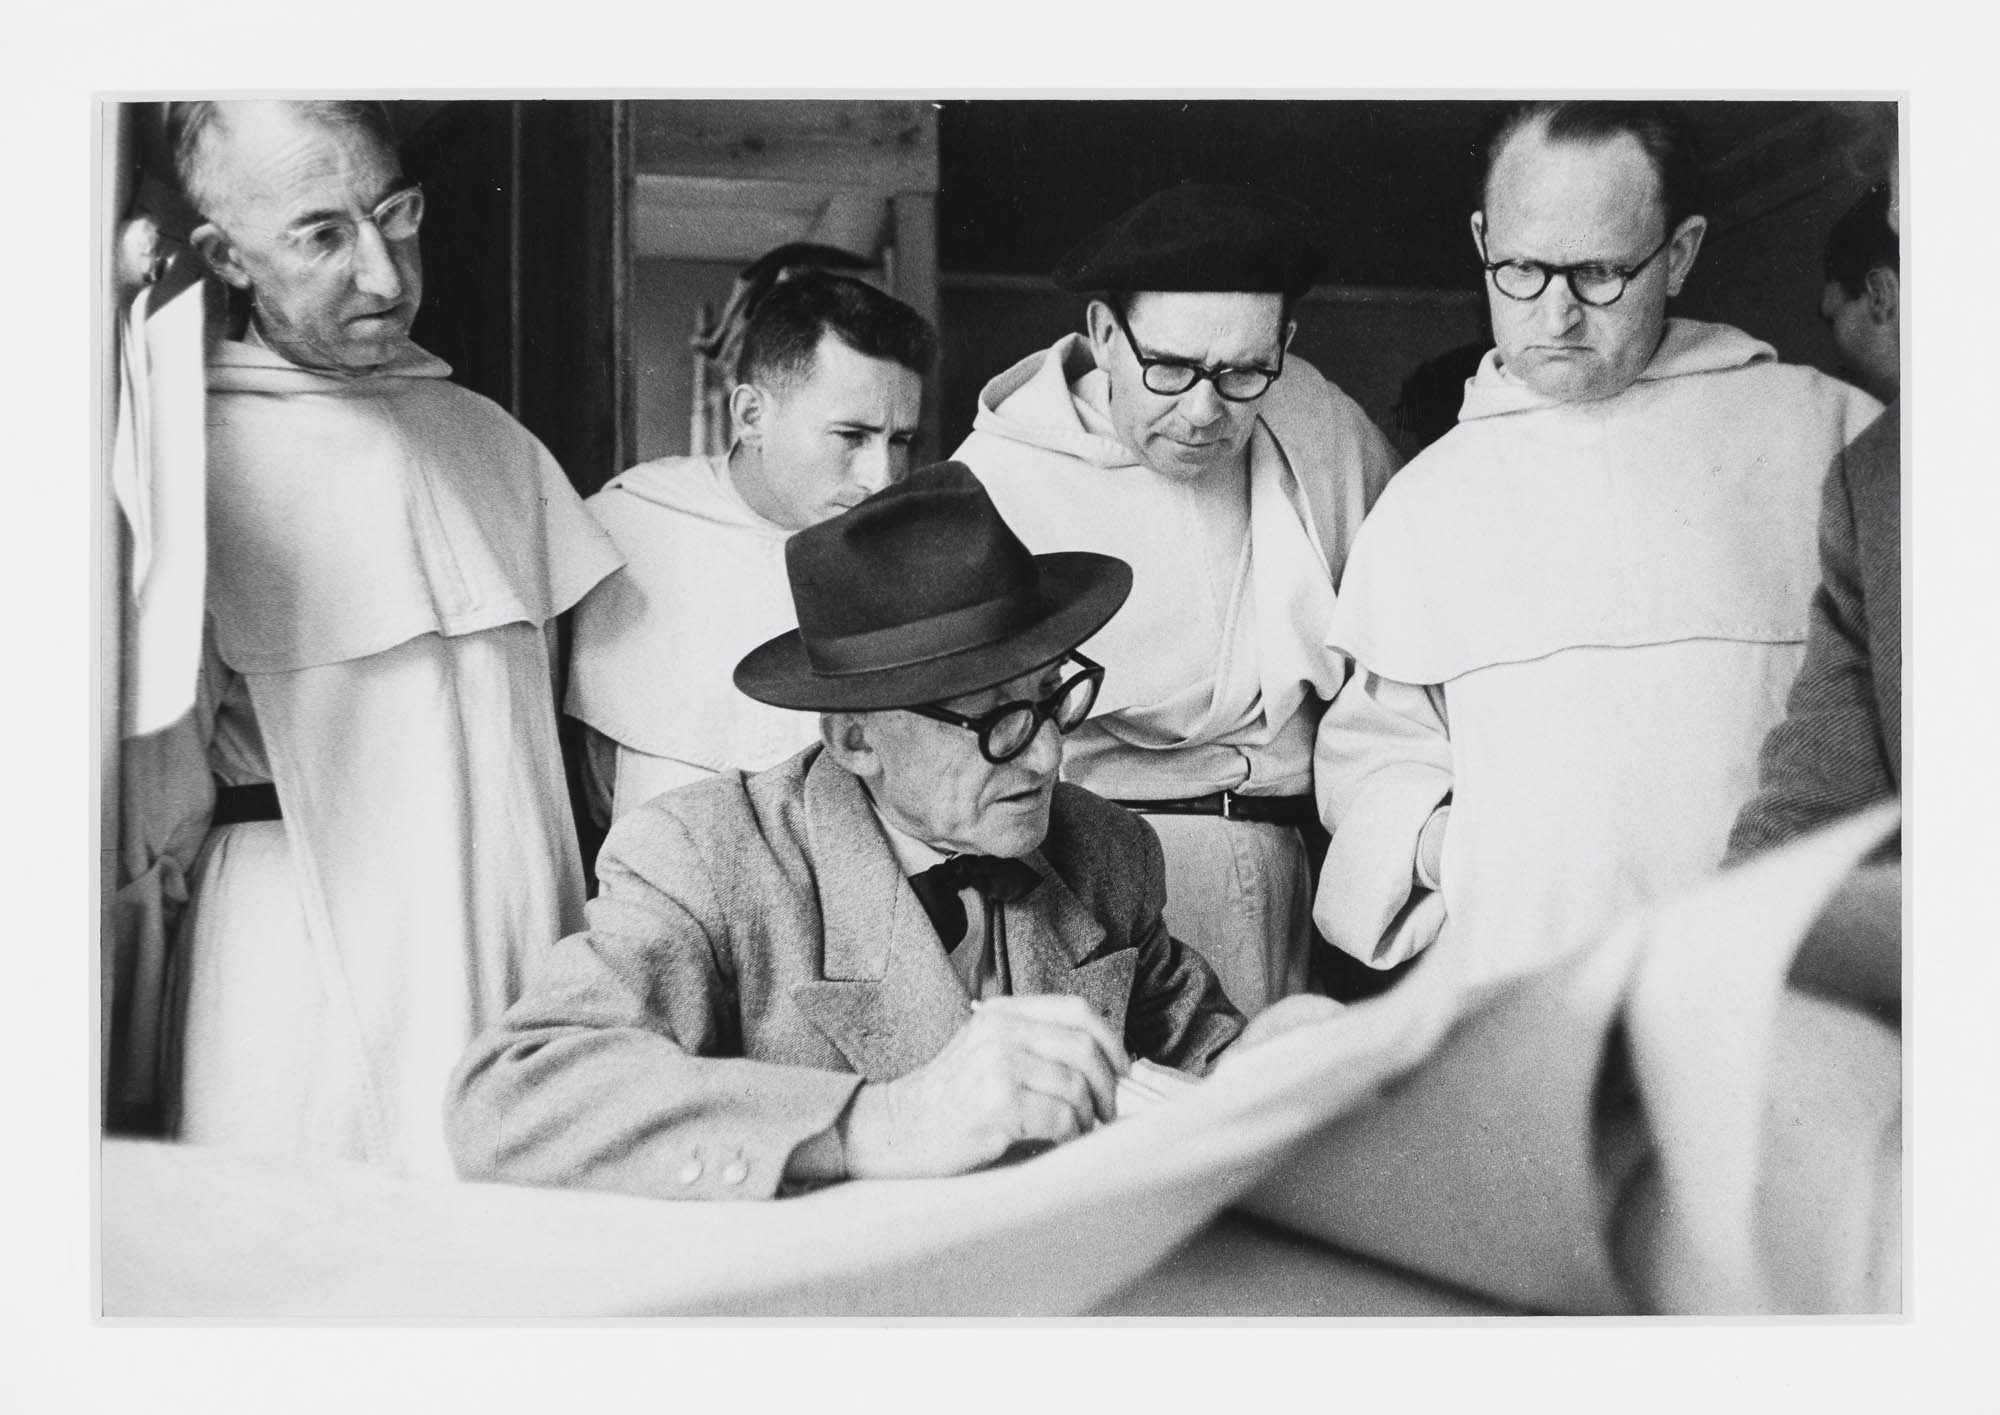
(1579, 221)
(199, 132)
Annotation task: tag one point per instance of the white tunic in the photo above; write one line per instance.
(385, 553)
(1574, 623)
(656, 646)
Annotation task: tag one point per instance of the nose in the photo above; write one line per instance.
(1201, 405)
(874, 466)
(1044, 752)
(1559, 310)
(375, 270)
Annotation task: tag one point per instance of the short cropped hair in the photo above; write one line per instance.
(1861, 241)
(782, 335)
(191, 128)
(1658, 128)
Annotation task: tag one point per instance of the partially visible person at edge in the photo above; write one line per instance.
(1862, 301)
(1179, 433)
(829, 387)
(367, 805)
(1840, 746)
(903, 952)
(1575, 616)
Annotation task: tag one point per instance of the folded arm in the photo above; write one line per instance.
(1382, 773)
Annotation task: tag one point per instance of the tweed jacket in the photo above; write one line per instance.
(755, 953)
(1840, 746)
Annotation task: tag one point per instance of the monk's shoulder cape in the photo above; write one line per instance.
(350, 514)
(1683, 508)
(656, 645)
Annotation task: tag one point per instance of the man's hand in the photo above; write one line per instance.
(1021, 1069)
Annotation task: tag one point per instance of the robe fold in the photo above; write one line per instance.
(655, 647)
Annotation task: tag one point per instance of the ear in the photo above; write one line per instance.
(1102, 330)
(218, 253)
(1285, 342)
(1885, 293)
(1682, 249)
(844, 735)
(746, 412)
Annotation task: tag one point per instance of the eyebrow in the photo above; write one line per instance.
(862, 425)
(315, 217)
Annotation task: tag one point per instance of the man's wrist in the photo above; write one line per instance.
(859, 1129)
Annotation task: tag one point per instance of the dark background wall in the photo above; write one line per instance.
(524, 251)
(1392, 183)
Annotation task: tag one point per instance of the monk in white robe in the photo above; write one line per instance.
(1573, 624)
(387, 555)
(374, 734)
(1575, 616)
(704, 583)
(825, 407)
(1235, 514)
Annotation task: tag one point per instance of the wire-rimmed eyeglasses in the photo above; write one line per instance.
(1235, 383)
(330, 242)
(1006, 731)
(1593, 282)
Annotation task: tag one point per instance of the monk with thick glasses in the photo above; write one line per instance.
(1575, 616)
(1181, 434)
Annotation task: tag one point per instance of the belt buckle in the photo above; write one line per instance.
(1229, 805)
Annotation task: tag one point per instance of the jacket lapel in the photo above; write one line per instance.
(886, 997)
(1054, 945)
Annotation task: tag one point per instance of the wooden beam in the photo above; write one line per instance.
(737, 219)
(888, 143)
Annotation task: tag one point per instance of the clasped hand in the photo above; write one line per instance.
(1041, 1068)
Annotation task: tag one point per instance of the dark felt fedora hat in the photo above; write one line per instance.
(1199, 236)
(922, 593)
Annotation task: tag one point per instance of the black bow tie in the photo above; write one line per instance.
(996, 878)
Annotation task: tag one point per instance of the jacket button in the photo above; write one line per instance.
(690, 1172)
(735, 1172)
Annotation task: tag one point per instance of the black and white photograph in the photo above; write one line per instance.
(1149, 711)
(977, 707)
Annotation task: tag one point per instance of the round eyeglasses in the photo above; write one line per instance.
(1593, 282)
(1007, 731)
(1235, 383)
(329, 243)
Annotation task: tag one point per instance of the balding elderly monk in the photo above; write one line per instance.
(1179, 434)
(1576, 615)
(391, 834)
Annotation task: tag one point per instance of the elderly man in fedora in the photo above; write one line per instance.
(903, 951)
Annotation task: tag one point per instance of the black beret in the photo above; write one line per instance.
(1199, 237)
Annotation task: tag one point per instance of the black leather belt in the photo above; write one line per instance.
(238, 805)
(1273, 810)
